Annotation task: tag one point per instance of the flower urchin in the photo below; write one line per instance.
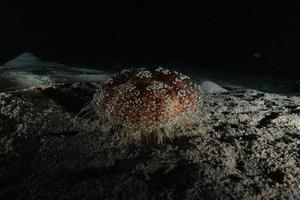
(147, 105)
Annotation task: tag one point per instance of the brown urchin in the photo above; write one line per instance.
(143, 104)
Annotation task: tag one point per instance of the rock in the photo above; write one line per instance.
(23, 60)
(212, 87)
(247, 148)
(27, 70)
(29, 60)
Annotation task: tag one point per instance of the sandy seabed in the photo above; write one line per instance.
(247, 148)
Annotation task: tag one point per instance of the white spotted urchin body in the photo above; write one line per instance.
(147, 105)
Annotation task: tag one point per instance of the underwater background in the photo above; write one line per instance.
(242, 58)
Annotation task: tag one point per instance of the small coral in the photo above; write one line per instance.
(147, 105)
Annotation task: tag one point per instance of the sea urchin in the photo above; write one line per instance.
(147, 105)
